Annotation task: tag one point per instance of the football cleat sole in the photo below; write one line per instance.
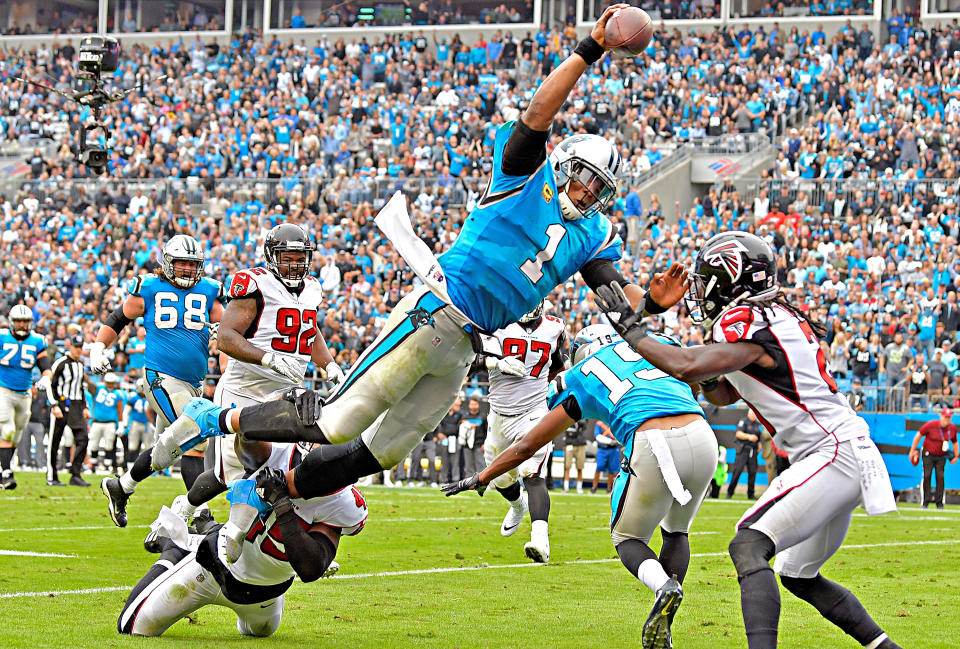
(331, 570)
(116, 500)
(656, 630)
(536, 553)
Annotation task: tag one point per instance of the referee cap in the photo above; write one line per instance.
(76, 340)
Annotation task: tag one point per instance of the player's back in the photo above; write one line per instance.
(512, 395)
(105, 404)
(286, 323)
(515, 246)
(177, 339)
(797, 401)
(620, 387)
(264, 560)
(18, 358)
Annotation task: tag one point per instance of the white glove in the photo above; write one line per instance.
(512, 365)
(334, 373)
(43, 385)
(214, 328)
(99, 363)
(282, 365)
(122, 427)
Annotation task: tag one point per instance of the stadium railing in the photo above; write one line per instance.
(846, 188)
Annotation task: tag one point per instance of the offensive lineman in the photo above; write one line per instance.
(670, 454)
(297, 538)
(532, 356)
(538, 222)
(176, 306)
(23, 349)
(767, 353)
(270, 322)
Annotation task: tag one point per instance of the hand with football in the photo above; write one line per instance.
(598, 33)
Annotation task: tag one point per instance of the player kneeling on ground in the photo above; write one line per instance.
(670, 454)
(296, 537)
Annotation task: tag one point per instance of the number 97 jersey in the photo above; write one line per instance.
(177, 338)
(286, 323)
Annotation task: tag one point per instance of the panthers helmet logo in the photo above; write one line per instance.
(727, 255)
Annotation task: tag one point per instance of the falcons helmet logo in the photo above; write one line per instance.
(727, 255)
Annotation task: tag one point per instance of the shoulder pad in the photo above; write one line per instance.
(734, 325)
(243, 285)
(552, 318)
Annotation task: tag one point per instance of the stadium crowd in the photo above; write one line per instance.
(239, 138)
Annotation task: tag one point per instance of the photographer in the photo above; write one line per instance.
(748, 437)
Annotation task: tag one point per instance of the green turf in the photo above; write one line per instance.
(909, 587)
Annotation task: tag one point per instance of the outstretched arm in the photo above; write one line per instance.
(546, 430)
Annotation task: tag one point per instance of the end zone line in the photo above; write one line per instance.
(427, 571)
(26, 553)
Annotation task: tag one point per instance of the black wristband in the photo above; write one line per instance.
(710, 384)
(589, 49)
(650, 306)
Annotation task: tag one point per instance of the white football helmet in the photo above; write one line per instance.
(182, 247)
(111, 378)
(595, 163)
(590, 339)
(21, 320)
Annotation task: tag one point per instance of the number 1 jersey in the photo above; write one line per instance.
(515, 246)
(286, 323)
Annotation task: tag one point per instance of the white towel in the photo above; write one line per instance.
(875, 488)
(667, 468)
(175, 528)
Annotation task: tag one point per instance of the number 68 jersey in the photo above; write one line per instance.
(286, 323)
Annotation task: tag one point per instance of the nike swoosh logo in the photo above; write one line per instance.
(512, 527)
(266, 605)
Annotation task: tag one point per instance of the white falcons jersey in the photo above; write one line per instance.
(539, 350)
(264, 560)
(286, 324)
(797, 400)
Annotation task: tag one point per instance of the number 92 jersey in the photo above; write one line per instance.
(18, 358)
(286, 323)
(515, 246)
(177, 340)
(618, 386)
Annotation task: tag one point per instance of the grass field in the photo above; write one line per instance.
(429, 571)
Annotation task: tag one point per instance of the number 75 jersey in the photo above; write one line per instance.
(286, 323)
(18, 358)
(177, 338)
(515, 246)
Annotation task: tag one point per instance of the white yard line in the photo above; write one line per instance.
(430, 571)
(25, 553)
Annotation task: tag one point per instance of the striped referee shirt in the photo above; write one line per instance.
(67, 381)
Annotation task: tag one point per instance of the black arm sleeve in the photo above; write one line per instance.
(309, 554)
(559, 357)
(53, 395)
(601, 272)
(117, 320)
(572, 408)
(43, 363)
(524, 150)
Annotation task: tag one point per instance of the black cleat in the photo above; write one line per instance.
(55, 483)
(7, 483)
(116, 500)
(203, 522)
(656, 630)
(77, 481)
(153, 543)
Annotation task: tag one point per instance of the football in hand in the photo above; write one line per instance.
(628, 31)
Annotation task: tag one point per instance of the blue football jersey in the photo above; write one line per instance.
(173, 317)
(618, 386)
(515, 246)
(105, 404)
(18, 358)
(138, 407)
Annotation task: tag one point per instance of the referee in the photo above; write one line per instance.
(69, 408)
(937, 436)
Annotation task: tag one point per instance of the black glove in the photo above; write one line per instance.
(272, 487)
(627, 322)
(473, 482)
(307, 402)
